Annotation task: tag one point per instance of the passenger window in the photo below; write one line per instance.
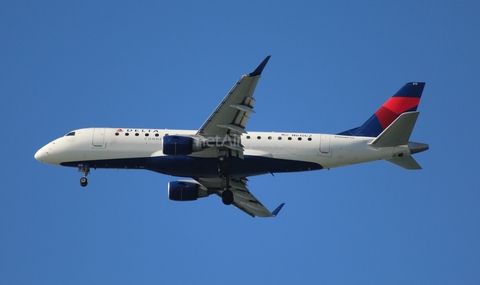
(279, 138)
(289, 138)
(259, 137)
(136, 134)
(269, 138)
(299, 139)
(248, 137)
(127, 134)
(146, 134)
(156, 135)
(116, 134)
(309, 139)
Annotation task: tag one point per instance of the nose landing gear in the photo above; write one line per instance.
(83, 181)
(85, 169)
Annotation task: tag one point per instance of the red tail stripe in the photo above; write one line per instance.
(399, 105)
(394, 107)
(385, 117)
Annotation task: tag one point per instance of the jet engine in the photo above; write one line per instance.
(186, 191)
(180, 145)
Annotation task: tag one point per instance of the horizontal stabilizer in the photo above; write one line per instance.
(398, 132)
(406, 162)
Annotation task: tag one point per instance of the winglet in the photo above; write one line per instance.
(277, 210)
(260, 68)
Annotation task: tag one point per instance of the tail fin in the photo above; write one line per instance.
(405, 100)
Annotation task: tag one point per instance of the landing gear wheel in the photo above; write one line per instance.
(227, 197)
(85, 169)
(83, 181)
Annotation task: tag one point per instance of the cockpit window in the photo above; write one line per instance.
(70, 134)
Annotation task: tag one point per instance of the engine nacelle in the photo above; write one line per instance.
(186, 191)
(180, 145)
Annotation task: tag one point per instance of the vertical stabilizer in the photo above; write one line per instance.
(405, 100)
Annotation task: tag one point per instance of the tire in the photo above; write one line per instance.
(227, 197)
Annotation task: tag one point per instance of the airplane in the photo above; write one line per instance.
(219, 157)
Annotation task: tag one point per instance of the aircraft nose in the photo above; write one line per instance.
(41, 154)
(45, 154)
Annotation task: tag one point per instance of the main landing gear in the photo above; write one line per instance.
(227, 197)
(224, 168)
(85, 170)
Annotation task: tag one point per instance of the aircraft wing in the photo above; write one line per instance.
(227, 122)
(243, 199)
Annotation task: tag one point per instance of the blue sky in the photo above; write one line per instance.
(66, 65)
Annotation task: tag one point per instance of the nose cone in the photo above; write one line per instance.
(47, 154)
(38, 155)
(42, 154)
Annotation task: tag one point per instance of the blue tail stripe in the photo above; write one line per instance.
(371, 128)
(351, 132)
(411, 89)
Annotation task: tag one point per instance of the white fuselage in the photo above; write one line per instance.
(279, 152)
